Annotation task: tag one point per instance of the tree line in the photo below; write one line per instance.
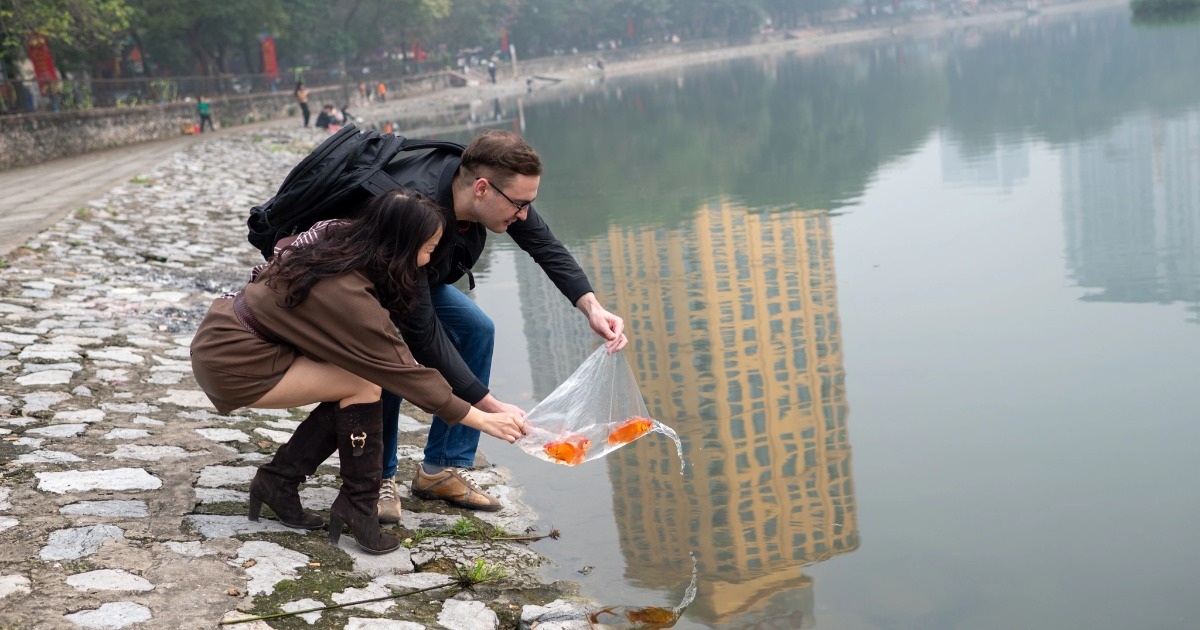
(158, 38)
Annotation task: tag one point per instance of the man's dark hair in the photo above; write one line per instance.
(500, 156)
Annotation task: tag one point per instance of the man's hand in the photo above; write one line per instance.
(607, 325)
(490, 404)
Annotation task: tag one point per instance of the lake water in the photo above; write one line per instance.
(924, 313)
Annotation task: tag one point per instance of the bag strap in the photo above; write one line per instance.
(380, 181)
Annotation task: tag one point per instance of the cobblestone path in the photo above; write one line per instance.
(122, 492)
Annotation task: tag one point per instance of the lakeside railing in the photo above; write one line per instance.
(17, 97)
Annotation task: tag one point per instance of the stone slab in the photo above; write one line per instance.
(126, 434)
(217, 476)
(111, 615)
(84, 481)
(109, 580)
(14, 585)
(47, 377)
(77, 542)
(115, 508)
(216, 526)
(58, 430)
(225, 435)
(467, 615)
(305, 604)
(272, 564)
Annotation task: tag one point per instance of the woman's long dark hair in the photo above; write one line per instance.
(382, 242)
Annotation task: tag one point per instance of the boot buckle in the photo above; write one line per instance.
(357, 442)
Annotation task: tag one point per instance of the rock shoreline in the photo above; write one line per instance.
(123, 494)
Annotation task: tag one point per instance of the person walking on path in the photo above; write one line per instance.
(492, 71)
(204, 110)
(381, 92)
(490, 187)
(314, 325)
(301, 94)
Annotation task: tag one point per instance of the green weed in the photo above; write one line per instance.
(478, 573)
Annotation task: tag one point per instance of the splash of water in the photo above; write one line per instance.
(647, 617)
(690, 593)
(669, 432)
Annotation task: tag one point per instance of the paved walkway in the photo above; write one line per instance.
(36, 197)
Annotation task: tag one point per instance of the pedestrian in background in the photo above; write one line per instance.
(325, 118)
(204, 110)
(301, 94)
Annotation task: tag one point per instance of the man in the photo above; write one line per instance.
(204, 110)
(491, 187)
(325, 118)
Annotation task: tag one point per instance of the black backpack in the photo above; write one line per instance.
(333, 181)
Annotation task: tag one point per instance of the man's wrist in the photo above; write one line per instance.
(488, 403)
(587, 302)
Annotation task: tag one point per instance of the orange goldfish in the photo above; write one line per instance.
(649, 618)
(570, 450)
(630, 430)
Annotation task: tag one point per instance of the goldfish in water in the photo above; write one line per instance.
(630, 430)
(649, 618)
(570, 450)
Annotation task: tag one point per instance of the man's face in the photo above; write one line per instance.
(501, 207)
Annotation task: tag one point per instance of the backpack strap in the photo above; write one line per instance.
(380, 181)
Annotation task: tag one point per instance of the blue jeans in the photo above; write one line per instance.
(474, 335)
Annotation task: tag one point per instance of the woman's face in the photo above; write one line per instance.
(426, 251)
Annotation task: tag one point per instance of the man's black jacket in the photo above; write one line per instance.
(431, 173)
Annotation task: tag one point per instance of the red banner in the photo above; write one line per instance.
(38, 50)
(503, 39)
(270, 63)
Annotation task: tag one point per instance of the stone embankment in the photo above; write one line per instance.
(123, 494)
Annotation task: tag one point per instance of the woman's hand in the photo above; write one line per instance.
(506, 426)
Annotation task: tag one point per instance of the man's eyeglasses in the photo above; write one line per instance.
(519, 206)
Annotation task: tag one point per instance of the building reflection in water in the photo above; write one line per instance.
(735, 340)
(1130, 199)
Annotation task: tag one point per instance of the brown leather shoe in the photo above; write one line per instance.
(454, 488)
(389, 502)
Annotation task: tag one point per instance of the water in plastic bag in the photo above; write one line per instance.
(597, 410)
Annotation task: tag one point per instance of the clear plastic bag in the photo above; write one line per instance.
(597, 410)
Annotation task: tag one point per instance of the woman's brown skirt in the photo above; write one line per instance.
(232, 365)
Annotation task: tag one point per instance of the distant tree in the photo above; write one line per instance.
(473, 23)
(209, 31)
(71, 26)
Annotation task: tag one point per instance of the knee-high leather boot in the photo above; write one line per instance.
(277, 482)
(359, 431)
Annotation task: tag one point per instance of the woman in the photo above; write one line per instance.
(301, 94)
(314, 325)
